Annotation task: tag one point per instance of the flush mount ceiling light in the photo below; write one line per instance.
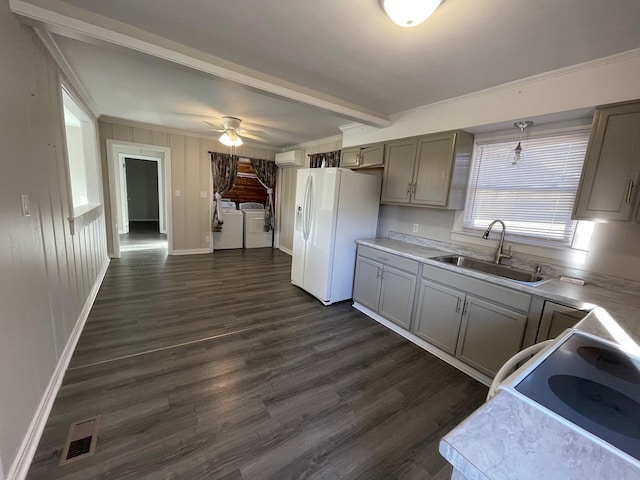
(230, 139)
(516, 155)
(410, 13)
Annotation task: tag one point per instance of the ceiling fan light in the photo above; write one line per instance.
(230, 139)
(410, 13)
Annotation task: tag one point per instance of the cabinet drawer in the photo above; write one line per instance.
(388, 259)
(481, 288)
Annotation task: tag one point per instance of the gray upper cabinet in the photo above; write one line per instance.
(398, 171)
(609, 184)
(431, 170)
(556, 319)
(489, 335)
(349, 157)
(368, 156)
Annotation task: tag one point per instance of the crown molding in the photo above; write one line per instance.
(74, 22)
(520, 83)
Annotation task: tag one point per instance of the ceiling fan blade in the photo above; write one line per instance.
(217, 128)
(255, 133)
(257, 138)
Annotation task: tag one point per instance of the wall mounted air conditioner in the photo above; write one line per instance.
(293, 158)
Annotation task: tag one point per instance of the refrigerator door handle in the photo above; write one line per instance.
(308, 207)
(305, 209)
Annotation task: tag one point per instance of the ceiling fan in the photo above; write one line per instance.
(231, 133)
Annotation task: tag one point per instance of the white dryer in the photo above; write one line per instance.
(254, 234)
(232, 228)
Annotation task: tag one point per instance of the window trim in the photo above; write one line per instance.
(529, 246)
(84, 214)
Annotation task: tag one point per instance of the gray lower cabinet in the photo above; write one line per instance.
(366, 286)
(489, 335)
(396, 296)
(438, 315)
(556, 319)
(386, 284)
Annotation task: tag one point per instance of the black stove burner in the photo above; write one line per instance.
(612, 362)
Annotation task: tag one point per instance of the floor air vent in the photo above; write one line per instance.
(81, 440)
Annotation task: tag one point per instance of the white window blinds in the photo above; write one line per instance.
(533, 197)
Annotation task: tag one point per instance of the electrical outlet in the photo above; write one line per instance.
(204, 194)
(416, 227)
(207, 238)
(178, 193)
(26, 207)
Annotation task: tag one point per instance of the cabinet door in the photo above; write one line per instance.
(489, 335)
(366, 286)
(372, 156)
(398, 171)
(438, 316)
(396, 296)
(609, 182)
(556, 319)
(349, 157)
(432, 175)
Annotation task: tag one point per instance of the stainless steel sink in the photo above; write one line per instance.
(503, 271)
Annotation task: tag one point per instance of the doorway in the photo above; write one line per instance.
(140, 199)
(141, 204)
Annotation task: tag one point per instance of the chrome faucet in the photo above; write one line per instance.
(499, 254)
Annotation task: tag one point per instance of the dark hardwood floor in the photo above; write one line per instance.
(216, 367)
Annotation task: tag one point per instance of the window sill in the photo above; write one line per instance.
(84, 215)
(563, 253)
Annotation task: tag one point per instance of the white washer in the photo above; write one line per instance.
(232, 228)
(254, 234)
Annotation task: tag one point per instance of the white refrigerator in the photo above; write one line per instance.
(334, 207)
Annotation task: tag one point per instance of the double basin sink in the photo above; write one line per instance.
(504, 271)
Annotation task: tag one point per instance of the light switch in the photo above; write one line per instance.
(177, 193)
(26, 208)
(204, 194)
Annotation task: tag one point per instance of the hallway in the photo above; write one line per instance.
(215, 366)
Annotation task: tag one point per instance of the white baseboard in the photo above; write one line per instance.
(22, 462)
(435, 351)
(285, 250)
(194, 251)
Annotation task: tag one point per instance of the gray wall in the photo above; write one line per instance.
(142, 189)
(46, 273)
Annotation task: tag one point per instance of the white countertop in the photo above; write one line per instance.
(509, 439)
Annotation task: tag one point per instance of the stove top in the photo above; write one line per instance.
(592, 384)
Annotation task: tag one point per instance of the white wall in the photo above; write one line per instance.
(190, 174)
(614, 247)
(47, 274)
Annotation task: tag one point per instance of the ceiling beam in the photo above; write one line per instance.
(73, 22)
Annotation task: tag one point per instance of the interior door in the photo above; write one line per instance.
(299, 240)
(323, 213)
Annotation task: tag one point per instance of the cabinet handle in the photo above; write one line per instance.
(464, 308)
(382, 274)
(409, 188)
(413, 189)
(458, 305)
(378, 274)
(629, 190)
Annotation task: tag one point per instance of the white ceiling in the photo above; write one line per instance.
(346, 49)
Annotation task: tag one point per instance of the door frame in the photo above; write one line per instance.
(117, 150)
(124, 204)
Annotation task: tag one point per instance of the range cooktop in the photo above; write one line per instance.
(592, 384)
